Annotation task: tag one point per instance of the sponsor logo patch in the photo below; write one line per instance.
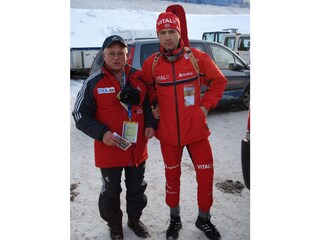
(106, 90)
(162, 78)
(185, 74)
(205, 166)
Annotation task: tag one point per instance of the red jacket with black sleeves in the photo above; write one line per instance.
(175, 85)
(98, 110)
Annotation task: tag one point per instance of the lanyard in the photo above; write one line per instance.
(129, 104)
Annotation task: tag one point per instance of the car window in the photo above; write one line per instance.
(210, 36)
(230, 42)
(223, 57)
(129, 48)
(220, 37)
(198, 46)
(97, 63)
(147, 50)
(244, 43)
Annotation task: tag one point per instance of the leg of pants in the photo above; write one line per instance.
(172, 160)
(109, 199)
(136, 186)
(201, 156)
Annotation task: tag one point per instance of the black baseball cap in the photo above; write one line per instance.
(113, 39)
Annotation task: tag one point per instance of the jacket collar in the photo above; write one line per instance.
(173, 55)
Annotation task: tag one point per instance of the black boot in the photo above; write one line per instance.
(139, 228)
(208, 228)
(116, 233)
(174, 227)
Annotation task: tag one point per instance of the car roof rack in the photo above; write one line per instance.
(231, 30)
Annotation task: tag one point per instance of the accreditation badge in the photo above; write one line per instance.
(189, 95)
(130, 131)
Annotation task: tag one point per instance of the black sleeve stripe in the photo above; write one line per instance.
(80, 96)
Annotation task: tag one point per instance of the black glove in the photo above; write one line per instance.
(130, 95)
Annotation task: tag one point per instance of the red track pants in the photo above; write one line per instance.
(202, 158)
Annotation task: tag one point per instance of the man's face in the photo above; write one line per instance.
(169, 38)
(115, 56)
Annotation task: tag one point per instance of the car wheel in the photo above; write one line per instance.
(244, 104)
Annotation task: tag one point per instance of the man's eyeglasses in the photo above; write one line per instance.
(114, 54)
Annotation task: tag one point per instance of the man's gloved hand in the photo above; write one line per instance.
(130, 95)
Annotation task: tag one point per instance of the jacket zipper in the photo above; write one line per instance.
(176, 101)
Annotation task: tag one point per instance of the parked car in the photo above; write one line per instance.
(231, 65)
(230, 37)
(245, 155)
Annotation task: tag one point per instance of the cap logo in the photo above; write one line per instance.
(166, 20)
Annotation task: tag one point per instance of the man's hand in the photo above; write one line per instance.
(109, 139)
(149, 133)
(204, 110)
(156, 112)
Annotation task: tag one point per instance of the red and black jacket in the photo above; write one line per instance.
(98, 110)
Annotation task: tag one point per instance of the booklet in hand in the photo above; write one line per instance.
(124, 144)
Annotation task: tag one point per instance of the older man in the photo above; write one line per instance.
(110, 107)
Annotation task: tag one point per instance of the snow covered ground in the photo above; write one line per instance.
(230, 211)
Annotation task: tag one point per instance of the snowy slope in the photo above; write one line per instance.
(155, 6)
(89, 27)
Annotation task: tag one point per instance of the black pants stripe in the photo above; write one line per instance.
(109, 199)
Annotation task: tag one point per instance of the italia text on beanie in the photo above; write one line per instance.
(168, 20)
